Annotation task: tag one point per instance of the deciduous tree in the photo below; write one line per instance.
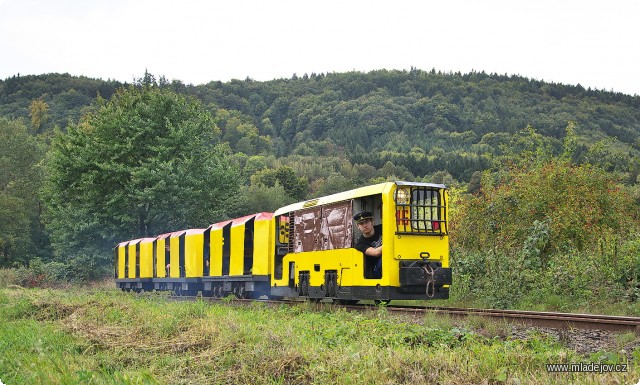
(38, 111)
(146, 162)
(19, 183)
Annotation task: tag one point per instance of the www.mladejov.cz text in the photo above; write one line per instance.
(586, 367)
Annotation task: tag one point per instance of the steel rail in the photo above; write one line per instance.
(533, 318)
(537, 318)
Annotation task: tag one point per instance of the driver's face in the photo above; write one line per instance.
(365, 226)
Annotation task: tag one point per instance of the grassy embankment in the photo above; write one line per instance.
(102, 336)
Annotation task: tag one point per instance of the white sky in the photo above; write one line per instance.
(588, 42)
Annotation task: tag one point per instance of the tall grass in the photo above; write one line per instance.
(107, 337)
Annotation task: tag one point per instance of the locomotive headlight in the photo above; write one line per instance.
(402, 196)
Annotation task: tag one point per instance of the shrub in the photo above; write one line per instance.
(79, 269)
(579, 204)
(495, 280)
(563, 233)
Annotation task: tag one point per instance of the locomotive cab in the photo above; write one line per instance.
(315, 253)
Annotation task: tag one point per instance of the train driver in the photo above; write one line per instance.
(370, 243)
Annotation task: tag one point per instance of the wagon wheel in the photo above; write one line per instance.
(240, 292)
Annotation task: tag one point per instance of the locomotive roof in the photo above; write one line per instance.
(351, 194)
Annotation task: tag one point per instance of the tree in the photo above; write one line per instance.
(293, 185)
(146, 162)
(259, 198)
(38, 111)
(296, 187)
(20, 179)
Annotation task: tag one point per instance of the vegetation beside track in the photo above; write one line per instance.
(107, 337)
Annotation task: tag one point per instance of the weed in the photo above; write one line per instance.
(56, 336)
(625, 339)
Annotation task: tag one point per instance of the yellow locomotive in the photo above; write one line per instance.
(307, 249)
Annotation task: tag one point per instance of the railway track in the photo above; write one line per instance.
(542, 319)
(532, 318)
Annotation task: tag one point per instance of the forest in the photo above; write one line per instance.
(543, 176)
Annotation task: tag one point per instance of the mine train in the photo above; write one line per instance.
(304, 250)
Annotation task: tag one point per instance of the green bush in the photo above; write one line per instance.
(629, 268)
(570, 280)
(495, 280)
(555, 235)
(579, 204)
(25, 276)
(79, 269)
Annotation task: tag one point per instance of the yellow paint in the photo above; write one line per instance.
(121, 261)
(146, 258)
(132, 260)
(263, 246)
(215, 247)
(161, 264)
(193, 254)
(174, 258)
(349, 263)
(236, 265)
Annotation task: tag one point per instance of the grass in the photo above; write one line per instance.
(102, 336)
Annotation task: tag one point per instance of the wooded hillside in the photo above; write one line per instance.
(421, 122)
(292, 139)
